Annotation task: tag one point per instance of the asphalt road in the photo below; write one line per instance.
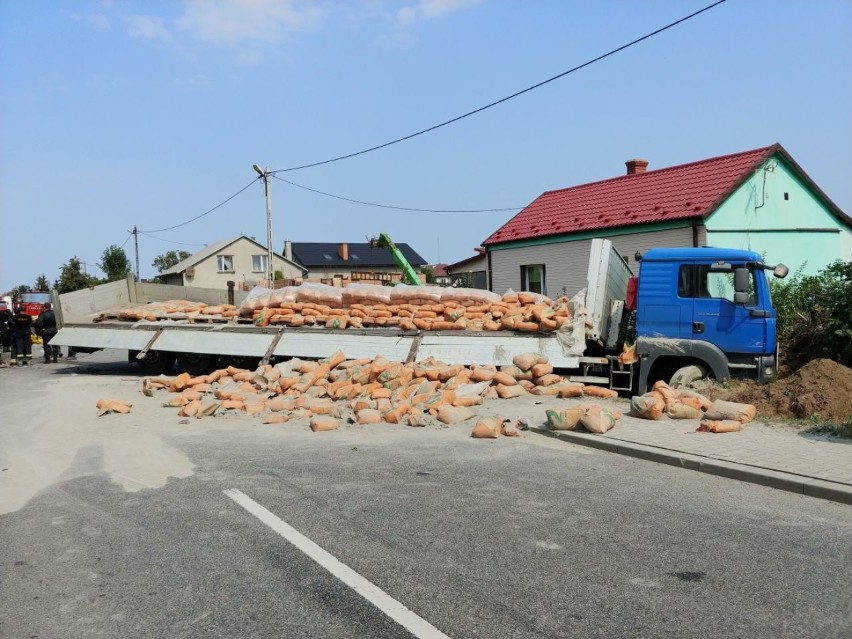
(505, 538)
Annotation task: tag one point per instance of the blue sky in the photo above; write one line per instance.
(115, 114)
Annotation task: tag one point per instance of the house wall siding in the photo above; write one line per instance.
(208, 276)
(799, 230)
(474, 273)
(566, 262)
(332, 271)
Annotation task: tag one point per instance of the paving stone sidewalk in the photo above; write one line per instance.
(777, 455)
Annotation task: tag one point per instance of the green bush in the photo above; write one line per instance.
(817, 310)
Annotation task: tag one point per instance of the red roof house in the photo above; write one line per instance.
(759, 199)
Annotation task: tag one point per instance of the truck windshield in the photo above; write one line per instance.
(699, 281)
(35, 298)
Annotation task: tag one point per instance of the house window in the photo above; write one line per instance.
(532, 278)
(225, 263)
(258, 263)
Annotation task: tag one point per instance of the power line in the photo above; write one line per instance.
(198, 217)
(127, 239)
(397, 208)
(162, 239)
(507, 98)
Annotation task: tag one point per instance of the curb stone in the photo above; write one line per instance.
(808, 486)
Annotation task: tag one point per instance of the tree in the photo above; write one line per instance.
(42, 284)
(72, 278)
(430, 275)
(114, 263)
(20, 288)
(814, 314)
(168, 260)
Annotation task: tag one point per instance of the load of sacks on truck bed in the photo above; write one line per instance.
(406, 307)
(336, 390)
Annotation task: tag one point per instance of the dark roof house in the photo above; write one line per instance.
(326, 260)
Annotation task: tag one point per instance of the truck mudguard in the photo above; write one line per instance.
(652, 348)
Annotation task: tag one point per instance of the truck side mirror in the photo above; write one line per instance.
(741, 280)
(780, 271)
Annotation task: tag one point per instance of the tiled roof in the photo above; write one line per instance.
(674, 193)
(438, 270)
(361, 255)
(212, 249)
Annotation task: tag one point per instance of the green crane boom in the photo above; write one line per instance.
(408, 272)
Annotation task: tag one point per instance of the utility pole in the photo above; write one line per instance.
(270, 271)
(136, 243)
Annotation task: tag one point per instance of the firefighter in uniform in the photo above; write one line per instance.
(45, 325)
(22, 343)
(5, 331)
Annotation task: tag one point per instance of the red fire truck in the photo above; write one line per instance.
(32, 301)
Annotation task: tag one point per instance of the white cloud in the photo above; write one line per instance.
(405, 17)
(198, 81)
(148, 28)
(429, 10)
(232, 22)
(95, 20)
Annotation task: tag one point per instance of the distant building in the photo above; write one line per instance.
(471, 272)
(442, 278)
(239, 259)
(338, 264)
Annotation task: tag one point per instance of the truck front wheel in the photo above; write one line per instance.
(688, 374)
(196, 363)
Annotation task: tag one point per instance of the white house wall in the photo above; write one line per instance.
(566, 263)
(207, 275)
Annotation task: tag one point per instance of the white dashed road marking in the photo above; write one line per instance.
(416, 625)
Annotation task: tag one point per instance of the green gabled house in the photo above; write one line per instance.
(760, 200)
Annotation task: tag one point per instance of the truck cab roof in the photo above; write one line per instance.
(701, 254)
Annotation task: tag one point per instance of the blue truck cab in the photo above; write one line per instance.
(705, 312)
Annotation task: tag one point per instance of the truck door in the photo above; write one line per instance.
(661, 312)
(715, 317)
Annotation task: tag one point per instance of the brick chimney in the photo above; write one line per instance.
(343, 251)
(635, 167)
(288, 250)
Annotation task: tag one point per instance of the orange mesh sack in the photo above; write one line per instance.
(525, 361)
(645, 407)
(719, 426)
(599, 391)
(682, 410)
(507, 392)
(565, 419)
(722, 410)
(597, 420)
(487, 428)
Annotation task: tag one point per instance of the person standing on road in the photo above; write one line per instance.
(5, 339)
(22, 342)
(45, 325)
(5, 318)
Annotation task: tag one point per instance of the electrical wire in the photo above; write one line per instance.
(198, 217)
(507, 98)
(162, 239)
(396, 208)
(127, 239)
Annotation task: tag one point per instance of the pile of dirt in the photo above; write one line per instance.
(821, 388)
